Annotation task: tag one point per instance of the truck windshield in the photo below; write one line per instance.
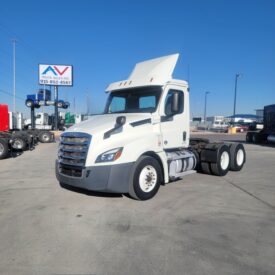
(135, 100)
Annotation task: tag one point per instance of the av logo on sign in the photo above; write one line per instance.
(55, 70)
(60, 75)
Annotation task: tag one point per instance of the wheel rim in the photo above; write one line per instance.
(148, 178)
(240, 157)
(18, 144)
(45, 137)
(224, 160)
(1, 149)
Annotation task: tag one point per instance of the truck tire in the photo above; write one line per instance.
(29, 103)
(146, 178)
(19, 143)
(65, 105)
(249, 137)
(256, 138)
(223, 162)
(205, 167)
(45, 137)
(4, 149)
(237, 157)
(60, 104)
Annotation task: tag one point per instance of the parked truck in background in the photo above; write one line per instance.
(267, 133)
(142, 139)
(41, 122)
(15, 138)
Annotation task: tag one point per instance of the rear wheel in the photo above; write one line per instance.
(205, 167)
(237, 156)
(223, 162)
(147, 177)
(19, 143)
(4, 149)
(45, 137)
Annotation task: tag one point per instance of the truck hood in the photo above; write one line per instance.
(102, 123)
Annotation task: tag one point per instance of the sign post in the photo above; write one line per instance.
(55, 75)
(55, 108)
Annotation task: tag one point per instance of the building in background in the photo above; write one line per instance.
(243, 118)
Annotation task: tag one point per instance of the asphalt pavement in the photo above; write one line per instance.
(199, 225)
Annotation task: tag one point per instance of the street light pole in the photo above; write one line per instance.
(14, 83)
(235, 95)
(205, 103)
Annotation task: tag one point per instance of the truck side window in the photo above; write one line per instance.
(118, 104)
(168, 102)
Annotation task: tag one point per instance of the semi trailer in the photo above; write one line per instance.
(16, 139)
(267, 133)
(142, 140)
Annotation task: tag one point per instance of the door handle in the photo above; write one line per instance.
(184, 136)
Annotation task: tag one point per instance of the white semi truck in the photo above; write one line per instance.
(41, 122)
(142, 140)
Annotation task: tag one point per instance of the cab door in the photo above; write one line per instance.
(175, 126)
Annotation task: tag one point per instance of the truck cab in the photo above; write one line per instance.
(41, 121)
(141, 140)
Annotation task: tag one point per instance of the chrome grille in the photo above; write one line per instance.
(73, 149)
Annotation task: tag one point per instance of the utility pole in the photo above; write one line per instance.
(235, 94)
(55, 108)
(14, 75)
(205, 103)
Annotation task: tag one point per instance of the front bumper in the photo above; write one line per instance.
(107, 178)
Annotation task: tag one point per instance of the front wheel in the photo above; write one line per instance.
(29, 103)
(146, 179)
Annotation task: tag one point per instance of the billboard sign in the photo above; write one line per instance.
(56, 75)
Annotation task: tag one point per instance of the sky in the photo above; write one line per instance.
(103, 40)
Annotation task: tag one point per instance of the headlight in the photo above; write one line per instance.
(111, 155)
